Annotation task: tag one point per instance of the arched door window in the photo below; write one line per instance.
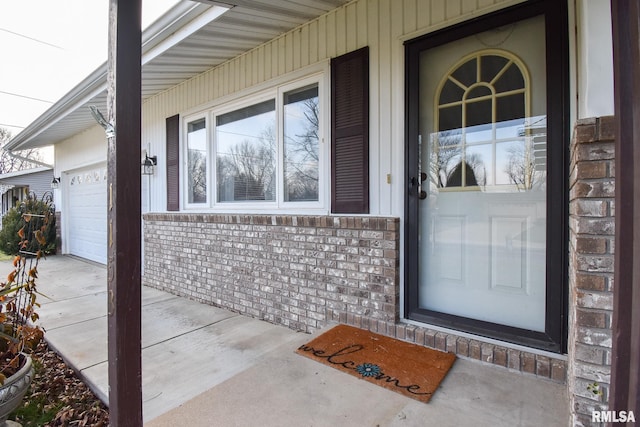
(481, 94)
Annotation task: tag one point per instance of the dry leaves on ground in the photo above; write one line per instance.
(57, 389)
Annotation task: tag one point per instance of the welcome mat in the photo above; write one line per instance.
(406, 368)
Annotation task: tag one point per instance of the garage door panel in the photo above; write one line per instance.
(87, 214)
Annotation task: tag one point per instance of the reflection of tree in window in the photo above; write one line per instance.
(526, 166)
(197, 162)
(446, 164)
(478, 101)
(245, 153)
(301, 150)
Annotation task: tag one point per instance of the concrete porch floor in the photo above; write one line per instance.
(205, 366)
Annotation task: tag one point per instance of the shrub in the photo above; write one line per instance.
(12, 223)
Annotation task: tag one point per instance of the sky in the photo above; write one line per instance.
(47, 47)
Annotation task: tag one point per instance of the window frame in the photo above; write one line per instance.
(245, 99)
(322, 151)
(184, 151)
(214, 114)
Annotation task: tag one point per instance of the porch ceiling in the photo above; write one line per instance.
(183, 43)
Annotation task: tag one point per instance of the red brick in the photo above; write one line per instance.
(430, 338)
(585, 132)
(607, 128)
(475, 350)
(401, 331)
(500, 356)
(591, 282)
(462, 347)
(528, 363)
(592, 319)
(441, 341)
(487, 352)
(592, 170)
(543, 366)
(419, 336)
(559, 370)
(513, 359)
(590, 245)
(595, 151)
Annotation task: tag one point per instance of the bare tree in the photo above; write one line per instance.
(521, 167)
(20, 161)
(197, 176)
(302, 156)
(248, 169)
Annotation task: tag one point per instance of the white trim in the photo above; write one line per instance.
(25, 172)
(96, 83)
(323, 148)
(184, 161)
(271, 90)
(244, 96)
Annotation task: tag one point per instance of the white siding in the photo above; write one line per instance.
(595, 58)
(86, 148)
(78, 225)
(357, 24)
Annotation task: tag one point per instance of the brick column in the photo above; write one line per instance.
(591, 238)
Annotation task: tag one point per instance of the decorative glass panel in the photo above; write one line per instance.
(467, 73)
(510, 107)
(511, 79)
(479, 91)
(491, 66)
(301, 150)
(451, 92)
(479, 113)
(197, 161)
(246, 154)
(450, 118)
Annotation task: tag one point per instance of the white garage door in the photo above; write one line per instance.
(87, 213)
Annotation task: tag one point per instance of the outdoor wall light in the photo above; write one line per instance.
(55, 183)
(148, 165)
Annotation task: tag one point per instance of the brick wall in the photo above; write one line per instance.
(288, 270)
(304, 272)
(591, 227)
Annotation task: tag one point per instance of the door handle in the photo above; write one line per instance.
(415, 182)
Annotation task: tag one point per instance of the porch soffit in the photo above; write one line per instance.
(246, 25)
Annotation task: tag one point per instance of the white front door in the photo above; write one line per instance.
(482, 160)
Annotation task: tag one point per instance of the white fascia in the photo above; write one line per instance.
(158, 47)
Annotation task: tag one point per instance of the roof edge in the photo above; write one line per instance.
(162, 28)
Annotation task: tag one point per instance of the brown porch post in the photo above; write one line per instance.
(124, 112)
(625, 373)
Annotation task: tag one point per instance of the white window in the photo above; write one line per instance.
(265, 152)
(196, 161)
(246, 147)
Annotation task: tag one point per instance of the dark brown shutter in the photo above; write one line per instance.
(173, 163)
(350, 132)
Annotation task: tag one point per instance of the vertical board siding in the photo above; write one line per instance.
(468, 6)
(380, 24)
(453, 9)
(437, 12)
(410, 15)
